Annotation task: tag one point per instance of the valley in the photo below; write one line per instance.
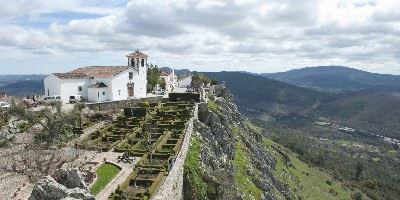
(340, 133)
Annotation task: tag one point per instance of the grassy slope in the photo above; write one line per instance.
(193, 169)
(305, 181)
(105, 173)
(243, 181)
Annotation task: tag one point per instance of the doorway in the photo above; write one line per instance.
(130, 90)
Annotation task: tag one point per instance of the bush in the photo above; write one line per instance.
(145, 104)
(328, 182)
(333, 191)
(371, 183)
(357, 196)
(3, 143)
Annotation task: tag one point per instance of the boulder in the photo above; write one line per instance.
(70, 178)
(67, 184)
(48, 188)
(79, 193)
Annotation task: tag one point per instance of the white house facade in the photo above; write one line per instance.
(102, 83)
(170, 79)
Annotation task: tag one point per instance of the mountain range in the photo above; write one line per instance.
(337, 79)
(369, 110)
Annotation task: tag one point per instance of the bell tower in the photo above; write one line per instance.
(137, 60)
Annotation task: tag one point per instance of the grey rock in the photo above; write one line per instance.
(48, 189)
(69, 186)
(71, 178)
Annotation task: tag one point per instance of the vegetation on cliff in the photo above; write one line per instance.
(230, 158)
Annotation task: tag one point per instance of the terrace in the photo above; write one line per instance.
(154, 133)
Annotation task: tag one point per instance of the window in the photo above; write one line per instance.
(79, 88)
(119, 92)
(142, 62)
(104, 93)
(130, 75)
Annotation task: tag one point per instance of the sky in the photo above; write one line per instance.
(262, 36)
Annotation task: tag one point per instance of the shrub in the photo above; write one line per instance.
(333, 191)
(357, 196)
(145, 104)
(328, 182)
(371, 183)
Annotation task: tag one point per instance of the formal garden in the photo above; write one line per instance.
(151, 131)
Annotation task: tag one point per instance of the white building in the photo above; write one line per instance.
(102, 83)
(170, 79)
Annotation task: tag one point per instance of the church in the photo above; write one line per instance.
(102, 83)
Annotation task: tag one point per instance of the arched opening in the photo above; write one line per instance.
(132, 62)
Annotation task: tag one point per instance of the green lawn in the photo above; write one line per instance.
(105, 173)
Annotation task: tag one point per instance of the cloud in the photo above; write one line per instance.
(207, 34)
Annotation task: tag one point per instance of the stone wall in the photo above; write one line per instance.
(112, 105)
(172, 187)
(184, 97)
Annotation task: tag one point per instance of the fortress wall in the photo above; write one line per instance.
(172, 187)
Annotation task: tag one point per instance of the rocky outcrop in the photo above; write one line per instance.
(70, 178)
(70, 186)
(227, 138)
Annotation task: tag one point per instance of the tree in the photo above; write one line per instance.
(162, 83)
(359, 170)
(199, 79)
(153, 76)
(55, 125)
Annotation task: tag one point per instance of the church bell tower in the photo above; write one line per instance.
(137, 60)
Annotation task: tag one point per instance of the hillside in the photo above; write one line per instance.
(267, 95)
(366, 110)
(230, 158)
(337, 79)
(372, 112)
(23, 88)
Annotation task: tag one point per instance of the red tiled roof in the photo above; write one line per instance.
(101, 71)
(70, 75)
(164, 73)
(93, 71)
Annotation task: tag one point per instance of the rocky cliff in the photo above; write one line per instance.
(227, 159)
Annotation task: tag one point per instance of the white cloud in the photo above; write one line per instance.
(256, 35)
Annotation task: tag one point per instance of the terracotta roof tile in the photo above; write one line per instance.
(164, 73)
(100, 71)
(70, 75)
(93, 71)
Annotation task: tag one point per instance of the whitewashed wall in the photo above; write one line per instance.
(141, 83)
(70, 87)
(52, 85)
(96, 94)
(108, 89)
(116, 90)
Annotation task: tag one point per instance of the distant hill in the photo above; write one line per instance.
(366, 110)
(22, 85)
(23, 88)
(267, 95)
(337, 79)
(178, 72)
(373, 112)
